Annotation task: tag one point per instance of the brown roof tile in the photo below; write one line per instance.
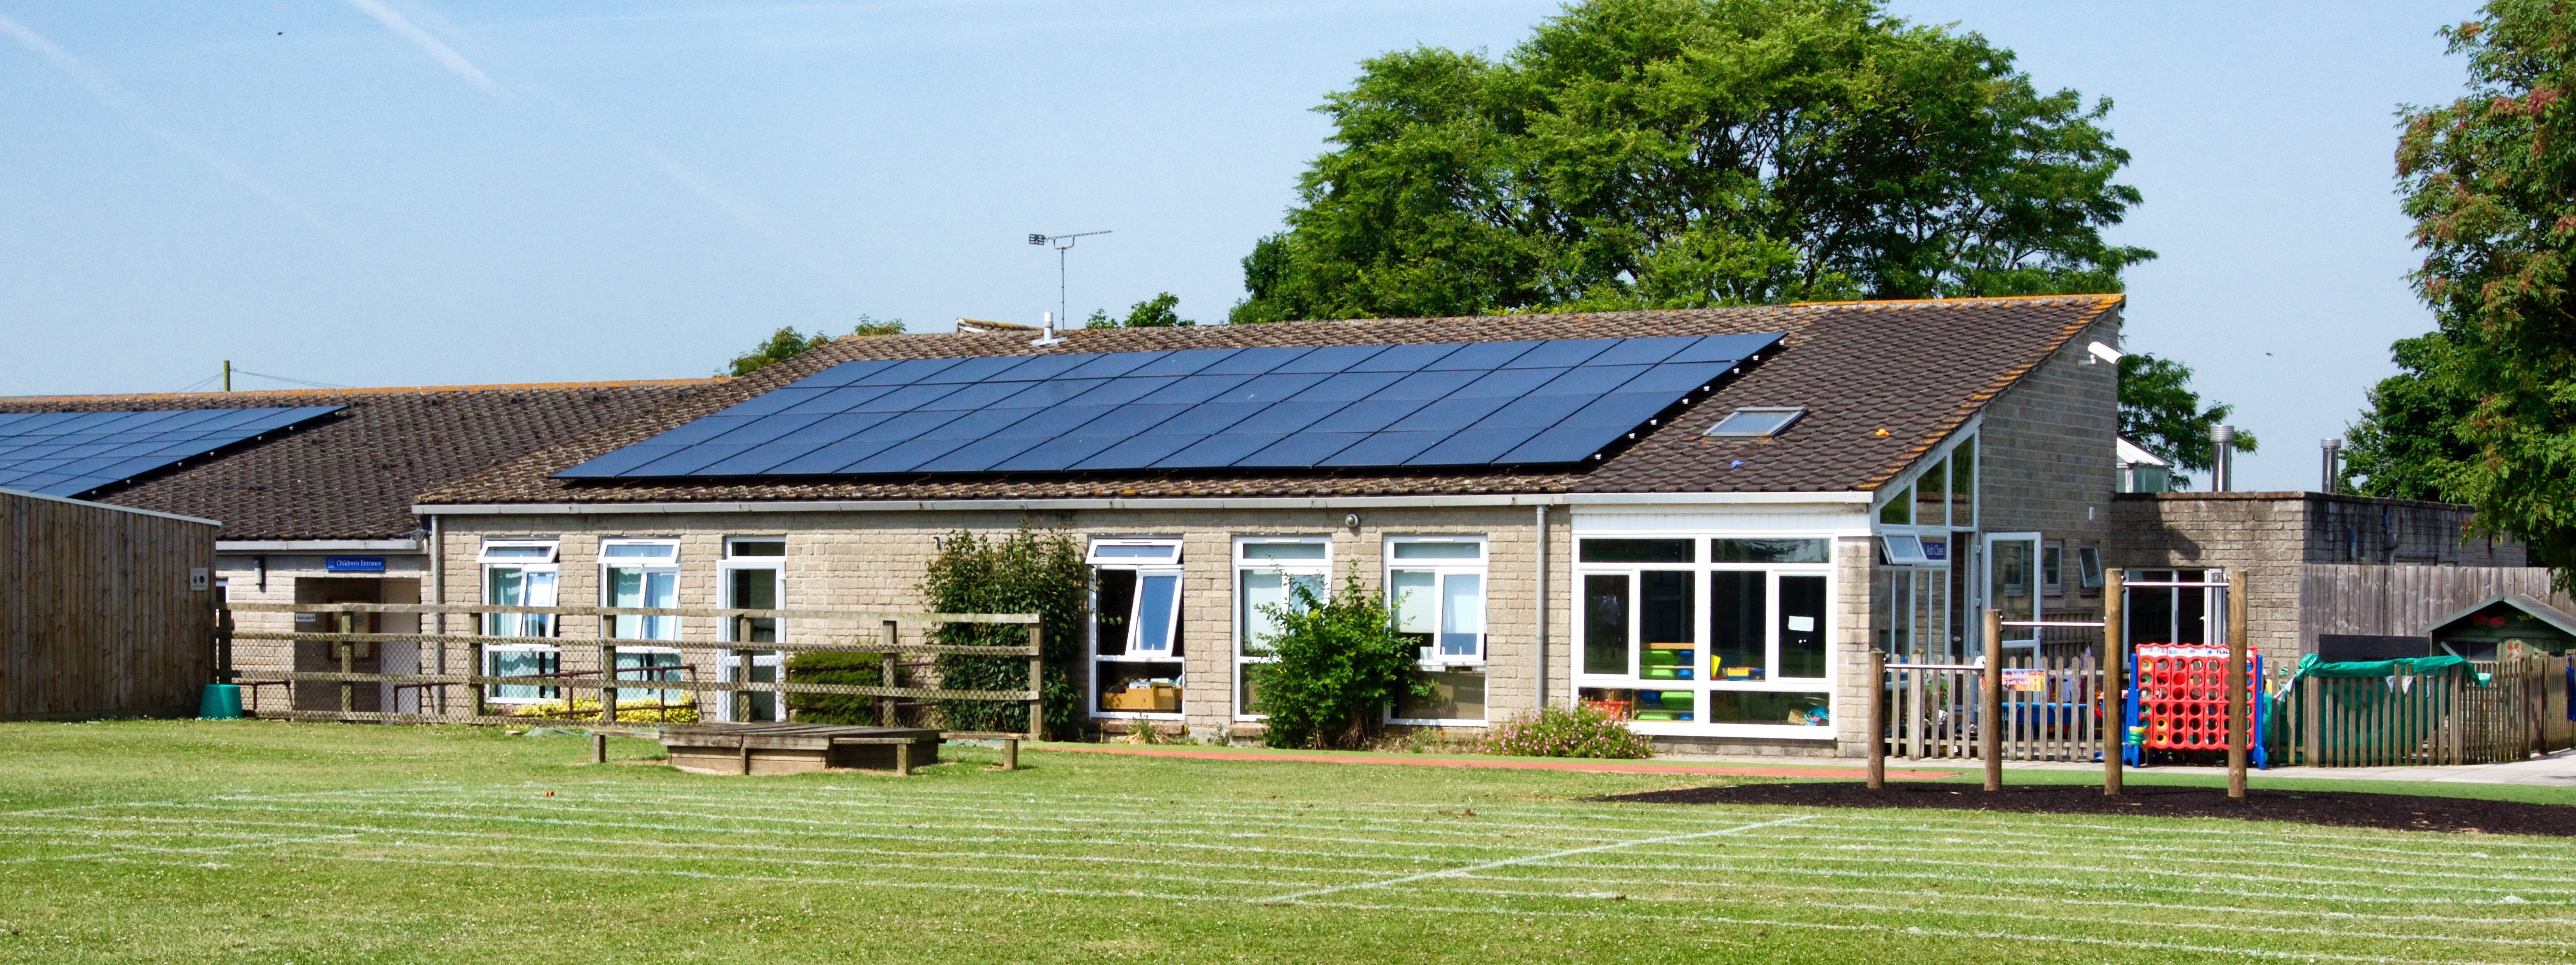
(352, 474)
(1882, 382)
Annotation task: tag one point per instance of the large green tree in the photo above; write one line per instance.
(2408, 445)
(2490, 180)
(1655, 153)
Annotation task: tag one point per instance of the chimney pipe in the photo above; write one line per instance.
(2222, 461)
(1050, 337)
(2333, 465)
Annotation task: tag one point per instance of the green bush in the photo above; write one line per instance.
(1567, 730)
(1339, 665)
(1026, 571)
(831, 667)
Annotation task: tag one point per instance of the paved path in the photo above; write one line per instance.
(1840, 769)
(2555, 770)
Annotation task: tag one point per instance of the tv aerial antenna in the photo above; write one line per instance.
(1061, 244)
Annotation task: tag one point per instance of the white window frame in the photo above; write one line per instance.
(1701, 685)
(607, 586)
(1985, 585)
(543, 561)
(1442, 570)
(775, 660)
(1321, 570)
(1143, 564)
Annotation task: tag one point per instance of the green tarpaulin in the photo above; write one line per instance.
(2311, 666)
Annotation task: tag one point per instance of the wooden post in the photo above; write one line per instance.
(742, 747)
(885, 674)
(223, 645)
(903, 759)
(478, 690)
(739, 702)
(1990, 717)
(1010, 754)
(607, 684)
(2312, 721)
(598, 748)
(2115, 691)
(1877, 732)
(348, 664)
(2238, 726)
(1037, 682)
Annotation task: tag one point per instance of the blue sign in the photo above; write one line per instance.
(353, 564)
(1935, 550)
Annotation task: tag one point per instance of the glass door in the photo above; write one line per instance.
(2013, 589)
(753, 570)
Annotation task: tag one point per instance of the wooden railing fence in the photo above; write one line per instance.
(2431, 719)
(604, 678)
(2051, 710)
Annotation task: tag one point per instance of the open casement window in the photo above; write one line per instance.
(1136, 650)
(642, 574)
(750, 577)
(1266, 571)
(2088, 566)
(519, 573)
(1725, 635)
(1435, 587)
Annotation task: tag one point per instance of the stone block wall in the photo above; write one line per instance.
(2269, 536)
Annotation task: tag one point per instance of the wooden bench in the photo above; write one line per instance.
(757, 749)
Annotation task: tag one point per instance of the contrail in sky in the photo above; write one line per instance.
(140, 116)
(445, 55)
(687, 178)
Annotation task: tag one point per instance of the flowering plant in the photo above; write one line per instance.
(1567, 730)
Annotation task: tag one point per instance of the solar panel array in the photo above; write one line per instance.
(71, 453)
(1453, 404)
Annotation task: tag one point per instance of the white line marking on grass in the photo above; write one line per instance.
(126, 850)
(1904, 930)
(2045, 882)
(1992, 913)
(861, 835)
(1550, 856)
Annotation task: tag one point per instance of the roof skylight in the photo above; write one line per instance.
(1751, 422)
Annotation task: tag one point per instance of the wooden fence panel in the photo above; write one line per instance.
(2403, 601)
(101, 613)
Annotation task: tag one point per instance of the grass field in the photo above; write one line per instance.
(268, 842)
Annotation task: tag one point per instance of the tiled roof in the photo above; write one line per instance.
(352, 474)
(1882, 382)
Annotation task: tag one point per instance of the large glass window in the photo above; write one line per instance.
(642, 574)
(519, 573)
(1136, 648)
(1728, 630)
(1267, 572)
(1435, 589)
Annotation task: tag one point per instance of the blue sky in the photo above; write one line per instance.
(398, 192)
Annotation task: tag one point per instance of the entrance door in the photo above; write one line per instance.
(2012, 588)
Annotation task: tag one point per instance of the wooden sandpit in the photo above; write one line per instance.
(766, 749)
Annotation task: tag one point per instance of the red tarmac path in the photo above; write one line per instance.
(1507, 763)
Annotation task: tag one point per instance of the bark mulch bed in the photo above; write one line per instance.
(2395, 812)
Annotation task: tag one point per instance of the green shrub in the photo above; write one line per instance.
(1339, 665)
(1567, 730)
(1026, 571)
(831, 667)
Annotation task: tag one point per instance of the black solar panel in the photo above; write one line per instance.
(1460, 404)
(72, 453)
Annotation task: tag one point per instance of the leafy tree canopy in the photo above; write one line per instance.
(1666, 153)
(1155, 312)
(788, 343)
(2490, 180)
(2408, 446)
(2160, 412)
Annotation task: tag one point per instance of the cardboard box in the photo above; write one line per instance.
(1144, 697)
